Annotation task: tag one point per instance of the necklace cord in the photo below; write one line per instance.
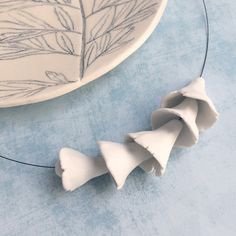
(208, 38)
(27, 164)
(203, 68)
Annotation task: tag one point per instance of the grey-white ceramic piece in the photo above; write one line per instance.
(183, 114)
(159, 143)
(186, 111)
(207, 114)
(71, 161)
(49, 48)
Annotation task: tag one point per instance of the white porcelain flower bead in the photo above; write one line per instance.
(159, 143)
(76, 169)
(207, 114)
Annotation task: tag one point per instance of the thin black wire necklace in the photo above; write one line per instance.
(202, 71)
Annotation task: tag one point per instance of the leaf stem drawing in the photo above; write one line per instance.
(104, 27)
(116, 22)
(24, 34)
(29, 35)
(28, 88)
(8, 6)
(83, 46)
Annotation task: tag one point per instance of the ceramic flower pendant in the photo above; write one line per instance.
(183, 114)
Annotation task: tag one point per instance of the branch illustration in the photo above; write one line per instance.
(114, 27)
(27, 35)
(12, 5)
(27, 88)
(105, 27)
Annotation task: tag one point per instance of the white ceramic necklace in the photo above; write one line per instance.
(182, 116)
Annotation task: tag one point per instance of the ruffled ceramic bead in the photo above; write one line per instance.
(183, 114)
(207, 114)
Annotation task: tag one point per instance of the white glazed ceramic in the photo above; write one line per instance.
(159, 143)
(207, 114)
(49, 48)
(183, 114)
(76, 169)
(122, 159)
(186, 111)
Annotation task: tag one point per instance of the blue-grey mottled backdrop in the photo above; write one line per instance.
(196, 197)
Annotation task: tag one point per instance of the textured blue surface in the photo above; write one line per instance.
(197, 196)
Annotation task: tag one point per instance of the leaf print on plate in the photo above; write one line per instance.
(49, 48)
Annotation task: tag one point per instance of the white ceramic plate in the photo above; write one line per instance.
(51, 47)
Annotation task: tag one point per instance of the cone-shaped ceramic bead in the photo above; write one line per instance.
(151, 167)
(207, 114)
(76, 169)
(186, 111)
(159, 143)
(122, 159)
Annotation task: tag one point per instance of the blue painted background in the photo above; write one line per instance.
(196, 197)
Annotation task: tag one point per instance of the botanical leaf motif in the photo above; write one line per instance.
(23, 33)
(104, 23)
(37, 42)
(113, 30)
(65, 43)
(64, 18)
(24, 19)
(57, 77)
(28, 88)
(108, 43)
(91, 54)
(54, 1)
(99, 5)
(120, 39)
(104, 42)
(106, 27)
(36, 46)
(12, 5)
(28, 34)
